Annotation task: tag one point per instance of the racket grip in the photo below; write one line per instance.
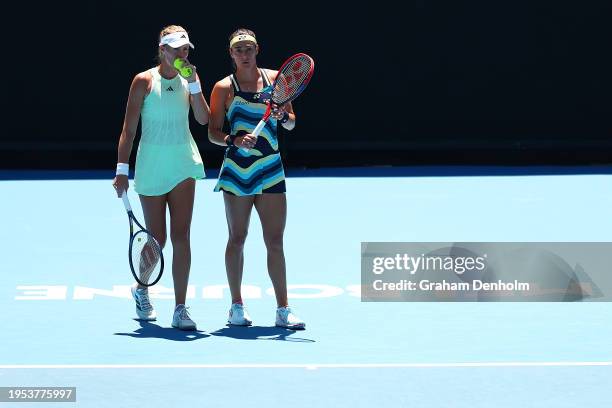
(256, 132)
(258, 128)
(126, 201)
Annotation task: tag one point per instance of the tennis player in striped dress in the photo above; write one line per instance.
(252, 172)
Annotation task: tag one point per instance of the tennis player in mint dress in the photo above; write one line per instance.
(167, 154)
(252, 174)
(167, 162)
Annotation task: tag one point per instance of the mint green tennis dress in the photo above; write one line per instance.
(167, 153)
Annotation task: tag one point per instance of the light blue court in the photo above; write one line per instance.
(68, 316)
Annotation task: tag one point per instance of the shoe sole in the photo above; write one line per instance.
(147, 319)
(194, 328)
(296, 327)
(241, 325)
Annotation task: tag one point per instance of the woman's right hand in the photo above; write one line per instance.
(121, 184)
(246, 140)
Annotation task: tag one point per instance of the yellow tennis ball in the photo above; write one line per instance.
(185, 72)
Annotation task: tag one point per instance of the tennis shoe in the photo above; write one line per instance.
(238, 315)
(144, 309)
(181, 319)
(285, 318)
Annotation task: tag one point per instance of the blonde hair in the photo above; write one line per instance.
(165, 31)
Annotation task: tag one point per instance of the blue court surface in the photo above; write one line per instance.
(68, 317)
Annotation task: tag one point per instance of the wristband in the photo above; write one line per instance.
(229, 140)
(194, 87)
(123, 169)
(285, 117)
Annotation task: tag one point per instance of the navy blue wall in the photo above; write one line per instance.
(441, 81)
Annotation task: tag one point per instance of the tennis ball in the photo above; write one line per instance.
(185, 72)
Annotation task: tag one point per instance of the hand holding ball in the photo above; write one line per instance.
(185, 72)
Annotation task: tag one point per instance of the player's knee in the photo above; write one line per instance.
(274, 242)
(237, 239)
(161, 239)
(179, 237)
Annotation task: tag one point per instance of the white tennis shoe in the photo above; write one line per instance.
(285, 318)
(238, 316)
(181, 319)
(144, 309)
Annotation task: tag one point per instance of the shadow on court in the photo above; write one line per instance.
(150, 330)
(259, 333)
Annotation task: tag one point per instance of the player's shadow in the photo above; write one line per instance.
(260, 333)
(150, 330)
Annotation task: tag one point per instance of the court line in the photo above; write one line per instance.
(315, 366)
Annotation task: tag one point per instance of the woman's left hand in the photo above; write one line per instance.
(278, 112)
(193, 76)
(187, 64)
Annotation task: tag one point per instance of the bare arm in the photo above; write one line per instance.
(218, 97)
(138, 91)
(201, 111)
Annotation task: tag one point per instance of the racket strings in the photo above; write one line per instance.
(146, 255)
(291, 79)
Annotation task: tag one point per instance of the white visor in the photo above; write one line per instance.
(176, 40)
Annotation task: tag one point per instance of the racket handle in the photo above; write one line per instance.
(258, 128)
(256, 132)
(126, 201)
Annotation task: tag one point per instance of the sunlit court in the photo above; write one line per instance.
(328, 205)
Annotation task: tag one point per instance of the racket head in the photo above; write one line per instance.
(292, 78)
(146, 258)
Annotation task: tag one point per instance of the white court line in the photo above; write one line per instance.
(313, 366)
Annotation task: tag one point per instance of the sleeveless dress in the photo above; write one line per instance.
(167, 153)
(260, 170)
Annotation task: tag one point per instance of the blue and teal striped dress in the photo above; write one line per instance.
(260, 170)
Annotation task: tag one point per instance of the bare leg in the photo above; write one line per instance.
(272, 210)
(238, 213)
(154, 210)
(180, 203)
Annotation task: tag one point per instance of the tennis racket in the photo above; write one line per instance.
(291, 80)
(145, 253)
